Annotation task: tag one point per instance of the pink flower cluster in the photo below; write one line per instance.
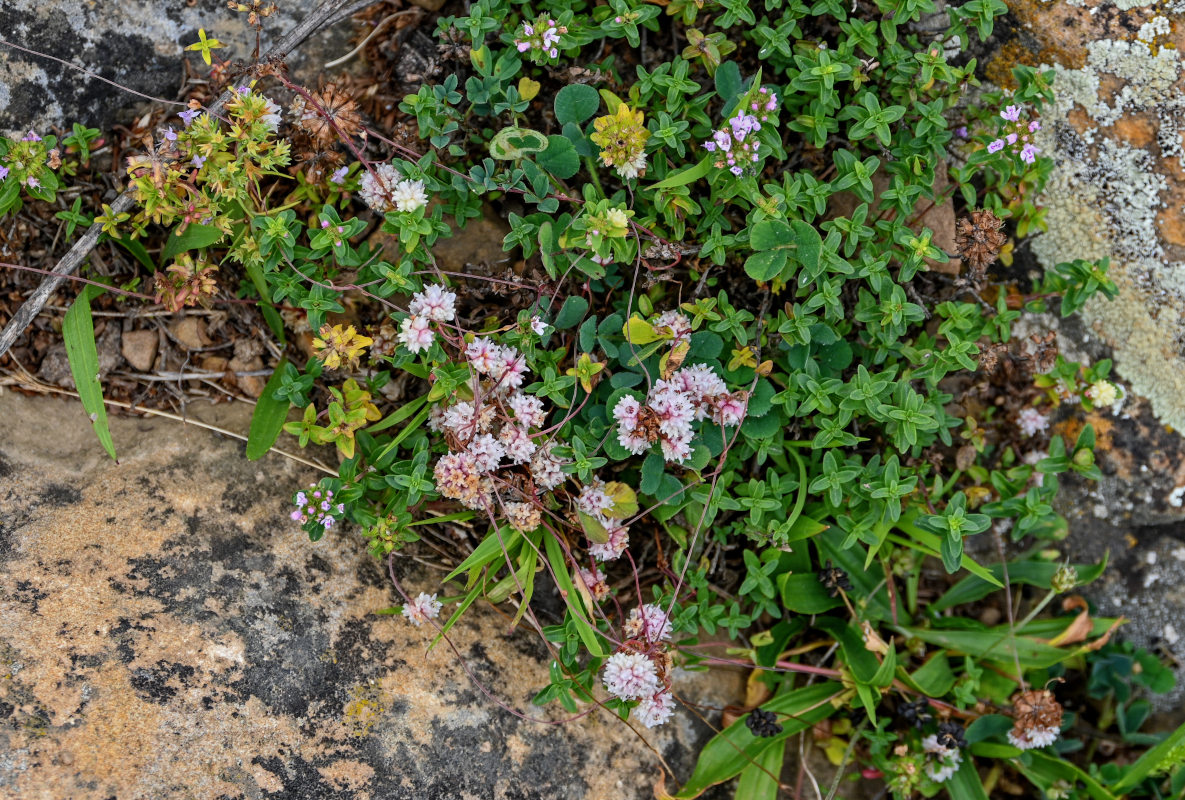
(316, 505)
(676, 324)
(1031, 421)
(506, 365)
(650, 622)
(434, 304)
(422, 609)
(594, 502)
(736, 143)
(542, 36)
(633, 676)
(1016, 135)
(692, 394)
(492, 431)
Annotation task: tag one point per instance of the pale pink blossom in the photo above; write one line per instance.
(654, 710)
(619, 539)
(435, 302)
(416, 334)
(1032, 421)
(630, 676)
(422, 609)
(650, 622)
(528, 409)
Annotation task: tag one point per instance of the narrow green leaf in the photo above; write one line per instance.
(270, 315)
(79, 333)
(1151, 761)
(735, 748)
(759, 781)
(559, 566)
(399, 414)
(686, 176)
(268, 418)
(489, 549)
(965, 783)
(1033, 573)
(194, 236)
(802, 593)
(138, 250)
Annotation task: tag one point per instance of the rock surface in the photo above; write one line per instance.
(1118, 188)
(136, 43)
(166, 632)
(1117, 191)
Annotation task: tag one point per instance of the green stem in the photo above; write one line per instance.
(1037, 610)
(591, 166)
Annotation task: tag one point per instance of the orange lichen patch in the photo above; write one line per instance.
(347, 774)
(1079, 120)
(1138, 129)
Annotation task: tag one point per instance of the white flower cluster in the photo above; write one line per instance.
(632, 676)
(692, 394)
(384, 189)
(422, 609)
(1033, 737)
(434, 304)
(941, 762)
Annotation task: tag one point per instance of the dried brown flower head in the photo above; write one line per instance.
(1037, 719)
(978, 239)
(989, 357)
(256, 10)
(331, 108)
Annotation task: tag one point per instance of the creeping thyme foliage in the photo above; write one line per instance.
(734, 397)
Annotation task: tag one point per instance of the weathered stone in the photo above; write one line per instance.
(139, 348)
(166, 631)
(136, 43)
(190, 333)
(1115, 134)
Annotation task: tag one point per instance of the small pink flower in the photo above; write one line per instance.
(435, 302)
(630, 676)
(1011, 113)
(996, 146)
(527, 409)
(1032, 421)
(654, 710)
(483, 355)
(619, 539)
(422, 609)
(416, 334)
(651, 623)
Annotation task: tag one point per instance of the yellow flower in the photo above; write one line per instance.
(338, 347)
(622, 138)
(745, 357)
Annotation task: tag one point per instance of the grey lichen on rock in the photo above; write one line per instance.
(1116, 192)
(166, 631)
(136, 43)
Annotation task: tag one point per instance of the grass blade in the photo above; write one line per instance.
(78, 330)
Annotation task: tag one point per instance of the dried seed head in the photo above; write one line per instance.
(978, 239)
(1037, 719)
(332, 107)
(834, 579)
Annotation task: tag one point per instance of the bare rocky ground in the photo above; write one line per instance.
(165, 631)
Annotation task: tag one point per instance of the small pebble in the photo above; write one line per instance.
(1170, 634)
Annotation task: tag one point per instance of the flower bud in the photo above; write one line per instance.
(1065, 579)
